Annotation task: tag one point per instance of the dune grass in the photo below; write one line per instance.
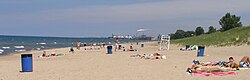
(237, 36)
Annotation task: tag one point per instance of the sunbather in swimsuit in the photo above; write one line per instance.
(232, 64)
(200, 68)
(245, 62)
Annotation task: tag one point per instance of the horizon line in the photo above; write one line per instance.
(50, 36)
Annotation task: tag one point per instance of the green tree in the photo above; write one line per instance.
(179, 34)
(229, 21)
(189, 34)
(211, 29)
(199, 31)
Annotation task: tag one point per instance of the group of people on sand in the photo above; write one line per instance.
(92, 46)
(48, 55)
(221, 66)
(154, 56)
(97, 46)
(120, 47)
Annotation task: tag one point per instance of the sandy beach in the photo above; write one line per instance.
(97, 65)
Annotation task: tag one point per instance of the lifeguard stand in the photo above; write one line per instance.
(164, 42)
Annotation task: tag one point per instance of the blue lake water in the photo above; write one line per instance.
(11, 44)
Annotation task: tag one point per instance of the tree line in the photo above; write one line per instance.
(227, 22)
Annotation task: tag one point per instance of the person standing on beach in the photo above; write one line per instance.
(103, 44)
(116, 43)
(94, 45)
(72, 44)
(84, 44)
(90, 44)
(71, 48)
(78, 45)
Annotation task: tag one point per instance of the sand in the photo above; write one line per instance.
(97, 65)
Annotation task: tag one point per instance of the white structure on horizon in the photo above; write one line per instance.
(141, 33)
(164, 42)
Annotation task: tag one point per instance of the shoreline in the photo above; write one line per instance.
(13, 53)
(30, 51)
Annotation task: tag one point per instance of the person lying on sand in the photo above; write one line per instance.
(200, 68)
(245, 62)
(92, 48)
(153, 56)
(45, 54)
(145, 56)
(231, 63)
(184, 49)
(131, 49)
(136, 56)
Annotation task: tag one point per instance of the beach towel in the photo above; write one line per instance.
(214, 73)
(59, 54)
(201, 74)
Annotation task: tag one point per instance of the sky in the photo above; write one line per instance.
(101, 18)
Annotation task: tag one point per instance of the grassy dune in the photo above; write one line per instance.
(236, 36)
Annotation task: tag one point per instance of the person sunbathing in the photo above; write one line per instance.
(137, 56)
(245, 62)
(185, 49)
(131, 49)
(145, 56)
(153, 56)
(231, 63)
(204, 63)
(200, 68)
(43, 55)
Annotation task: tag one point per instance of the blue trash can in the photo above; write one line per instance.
(201, 50)
(109, 48)
(187, 46)
(27, 62)
(142, 45)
